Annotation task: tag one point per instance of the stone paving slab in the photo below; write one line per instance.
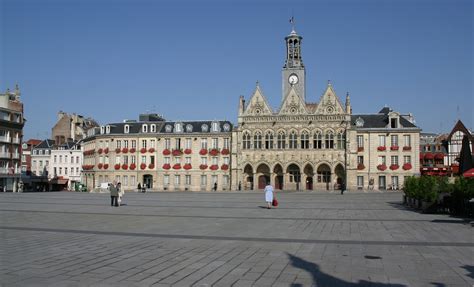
(229, 239)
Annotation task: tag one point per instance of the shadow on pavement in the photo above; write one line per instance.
(469, 268)
(322, 279)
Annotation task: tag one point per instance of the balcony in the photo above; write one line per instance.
(4, 155)
(16, 140)
(5, 139)
(16, 156)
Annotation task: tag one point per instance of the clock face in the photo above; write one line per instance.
(293, 79)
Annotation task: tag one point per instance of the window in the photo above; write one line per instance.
(257, 140)
(406, 159)
(188, 179)
(125, 143)
(107, 129)
(144, 128)
(65, 159)
(204, 160)
(77, 170)
(360, 141)
(60, 171)
(407, 140)
(214, 179)
(215, 143)
(132, 180)
(360, 159)
(203, 143)
(394, 182)
(381, 140)
(102, 130)
(118, 144)
(293, 140)
(117, 159)
(72, 159)
(133, 159)
(305, 140)
(246, 140)
(204, 128)
(143, 143)
(167, 160)
(394, 140)
(153, 128)
(65, 170)
(225, 180)
(125, 159)
(143, 159)
(269, 140)
(167, 143)
(341, 140)
(178, 128)
(177, 160)
(226, 143)
(215, 126)
(317, 140)
(187, 144)
(152, 159)
(55, 159)
(60, 159)
(394, 123)
(360, 182)
(177, 143)
(382, 160)
(166, 179)
(134, 144)
(281, 140)
(394, 159)
(329, 144)
(203, 180)
(226, 160)
(72, 171)
(126, 129)
(177, 180)
(125, 180)
(214, 160)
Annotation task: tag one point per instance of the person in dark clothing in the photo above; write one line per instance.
(114, 193)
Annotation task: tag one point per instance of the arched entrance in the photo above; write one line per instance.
(324, 176)
(278, 171)
(309, 172)
(148, 180)
(294, 176)
(340, 176)
(263, 172)
(248, 177)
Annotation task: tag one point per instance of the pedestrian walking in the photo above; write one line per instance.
(215, 186)
(268, 195)
(114, 192)
(121, 192)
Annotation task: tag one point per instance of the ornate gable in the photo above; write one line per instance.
(329, 104)
(258, 104)
(292, 104)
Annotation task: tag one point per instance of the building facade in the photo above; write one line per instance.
(66, 166)
(11, 136)
(306, 146)
(159, 154)
(40, 165)
(26, 149)
(454, 144)
(71, 127)
(433, 155)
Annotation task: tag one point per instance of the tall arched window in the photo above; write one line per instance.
(281, 140)
(317, 140)
(329, 144)
(293, 140)
(304, 140)
(257, 140)
(269, 140)
(341, 140)
(246, 140)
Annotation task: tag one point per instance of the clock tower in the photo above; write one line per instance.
(293, 73)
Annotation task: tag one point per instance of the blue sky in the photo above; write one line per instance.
(190, 60)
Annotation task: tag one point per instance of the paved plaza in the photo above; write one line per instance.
(229, 239)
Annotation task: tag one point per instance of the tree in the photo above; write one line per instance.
(465, 157)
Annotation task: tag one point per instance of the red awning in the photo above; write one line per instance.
(429, 155)
(469, 173)
(439, 156)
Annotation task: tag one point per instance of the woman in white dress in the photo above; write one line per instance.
(120, 194)
(269, 195)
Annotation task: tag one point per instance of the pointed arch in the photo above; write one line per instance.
(329, 139)
(318, 139)
(269, 139)
(246, 140)
(340, 175)
(293, 139)
(341, 139)
(257, 139)
(304, 139)
(281, 139)
(248, 177)
(279, 176)
(309, 173)
(263, 174)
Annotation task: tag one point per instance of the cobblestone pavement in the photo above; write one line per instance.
(229, 239)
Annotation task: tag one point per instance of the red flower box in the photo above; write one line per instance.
(117, 166)
(225, 151)
(106, 166)
(203, 166)
(187, 166)
(360, 166)
(132, 150)
(177, 152)
(407, 166)
(177, 166)
(214, 167)
(225, 167)
(394, 166)
(395, 147)
(100, 166)
(406, 148)
(187, 151)
(214, 152)
(151, 150)
(360, 149)
(166, 152)
(124, 166)
(381, 148)
(87, 166)
(151, 166)
(106, 150)
(100, 151)
(125, 150)
(166, 166)
(143, 150)
(133, 166)
(142, 166)
(117, 150)
(203, 151)
(382, 167)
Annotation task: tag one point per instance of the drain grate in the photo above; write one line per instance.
(372, 257)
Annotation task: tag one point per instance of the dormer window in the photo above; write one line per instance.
(107, 129)
(168, 128)
(394, 120)
(178, 128)
(205, 128)
(144, 128)
(153, 128)
(102, 130)
(189, 128)
(394, 123)
(359, 122)
(226, 127)
(215, 127)
(126, 129)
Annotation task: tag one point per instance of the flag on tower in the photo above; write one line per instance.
(292, 20)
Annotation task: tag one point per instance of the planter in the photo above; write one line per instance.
(214, 167)
(106, 166)
(143, 150)
(99, 166)
(142, 166)
(381, 148)
(151, 150)
(117, 150)
(151, 166)
(133, 166)
(360, 149)
(124, 166)
(225, 151)
(106, 150)
(394, 147)
(132, 150)
(203, 166)
(187, 166)
(360, 166)
(166, 152)
(407, 166)
(125, 150)
(394, 166)
(187, 151)
(407, 148)
(166, 166)
(214, 152)
(117, 166)
(177, 166)
(382, 167)
(225, 167)
(203, 151)
(100, 151)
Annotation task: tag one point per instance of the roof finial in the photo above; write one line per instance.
(329, 82)
(257, 83)
(292, 22)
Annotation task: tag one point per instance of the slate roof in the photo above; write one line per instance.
(46, 144)
(380, 120)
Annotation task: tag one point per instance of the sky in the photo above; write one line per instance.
(191, 60)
